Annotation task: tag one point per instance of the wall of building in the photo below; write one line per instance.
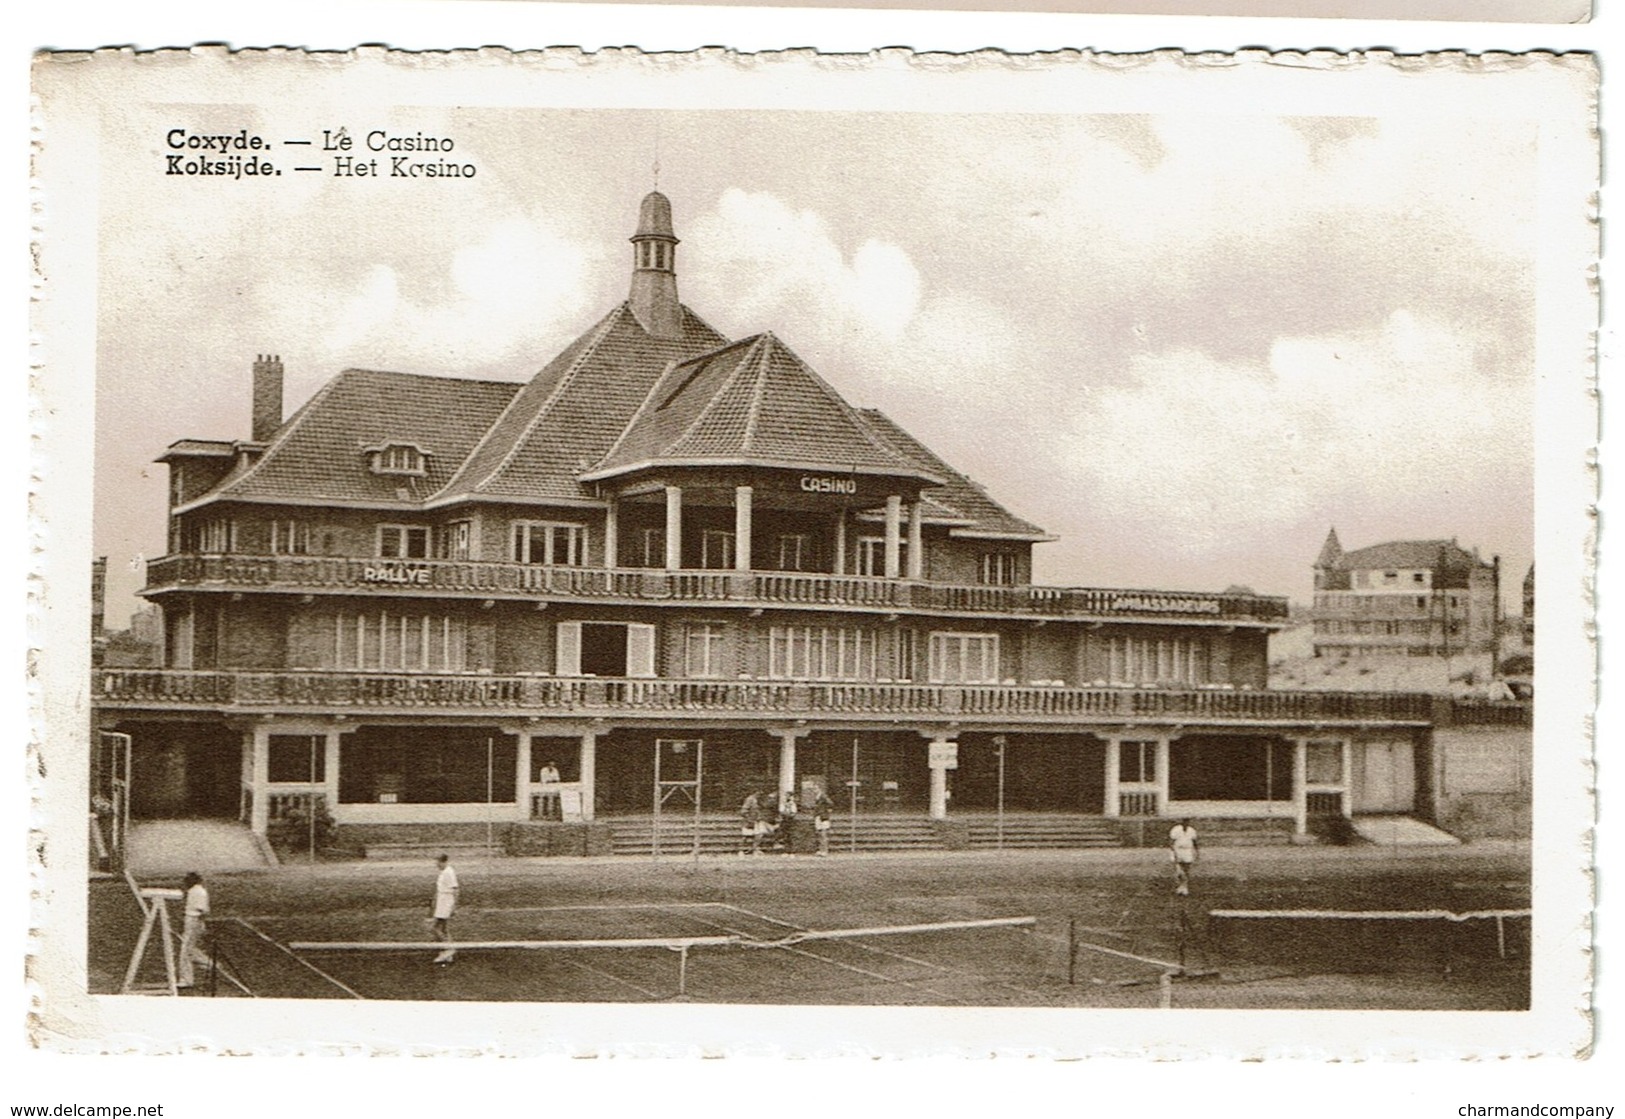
(1481, 780)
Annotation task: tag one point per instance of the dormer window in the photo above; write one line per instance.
(400, 459)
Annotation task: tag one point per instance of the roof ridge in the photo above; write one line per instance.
(751, 351)
(846, 409)
(595, 336)
(283, 433)
(758, 391)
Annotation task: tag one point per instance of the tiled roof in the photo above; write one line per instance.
(571, 412)
(1431, 554)
(964, 498)
(754, 401)
(320, 453)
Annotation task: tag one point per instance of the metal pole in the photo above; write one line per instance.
(311, 803)
(699, 779)
(852, 790)
(654, 834)
(490, 764)
(1071, 951)
(998, 741)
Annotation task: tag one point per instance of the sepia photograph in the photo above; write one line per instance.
(740, 534)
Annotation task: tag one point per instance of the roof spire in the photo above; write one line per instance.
(654, 268)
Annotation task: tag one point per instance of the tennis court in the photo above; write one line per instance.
(1028, 929)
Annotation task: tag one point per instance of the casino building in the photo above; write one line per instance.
(682, 568)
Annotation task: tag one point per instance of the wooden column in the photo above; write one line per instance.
(894, 529)
(840, 542)
(916, 553)
(787, 760)
(674, 528)
(330, 768)
(588, 768)
(1300, 782)
(939, 779)
(260, 778)
(742, 549)
(521, 774)
(1114, 777)
(612, 534)
(1162, 776)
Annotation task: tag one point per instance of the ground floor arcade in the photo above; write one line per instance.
(410, 772)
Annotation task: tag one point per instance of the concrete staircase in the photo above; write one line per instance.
(719, 835)
(1401, 831)
(1070, 832)
(170, 848)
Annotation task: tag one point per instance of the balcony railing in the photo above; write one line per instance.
(461, 578)
(524, 695)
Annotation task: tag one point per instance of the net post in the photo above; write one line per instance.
(1501, 936)
(1165, 990)
(1071, 951)
(682, 970)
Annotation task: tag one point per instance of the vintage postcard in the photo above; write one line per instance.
(899, 553)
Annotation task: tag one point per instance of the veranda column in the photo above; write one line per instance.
(1347, 799)
(1300, 786)
(939, 777)
(787, 760)
(588, 769)
(742, 553)
(840, 542)
(916, 554)
(330, 768)
(260, 778)
(521, 774)
(674, 528)
(612, 534)
(1162, 776)
(1114, 778)
(894, 541)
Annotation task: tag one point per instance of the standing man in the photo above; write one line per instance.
(751, 825)
(194, 927)
(823, 811)
(549, 780)
(1182, 841)
(445, 904)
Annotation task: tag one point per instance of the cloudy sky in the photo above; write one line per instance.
(1186, 344)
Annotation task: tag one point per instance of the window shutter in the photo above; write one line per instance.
(569, 650)
(640, 649)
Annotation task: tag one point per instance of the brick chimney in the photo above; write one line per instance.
(267, 397)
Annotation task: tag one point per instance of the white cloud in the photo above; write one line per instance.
(1335, 422)
(519, 284)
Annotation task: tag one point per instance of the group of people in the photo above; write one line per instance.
(766, 818)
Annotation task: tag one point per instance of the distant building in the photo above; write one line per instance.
(1529, 608)
(1419, 598)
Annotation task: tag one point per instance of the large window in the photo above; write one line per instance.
(964, 658)
(716, 549)
(215, 536)
(1160, 660)
(794, 551)
(403, 541)
(1137, 762)
(454, 540)
(290, 538)
(401, 642)
(606, 649)
(999, 569)
(652, 544)
(822, 653)
(702, 650)
(872, 555)
(552, 543)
